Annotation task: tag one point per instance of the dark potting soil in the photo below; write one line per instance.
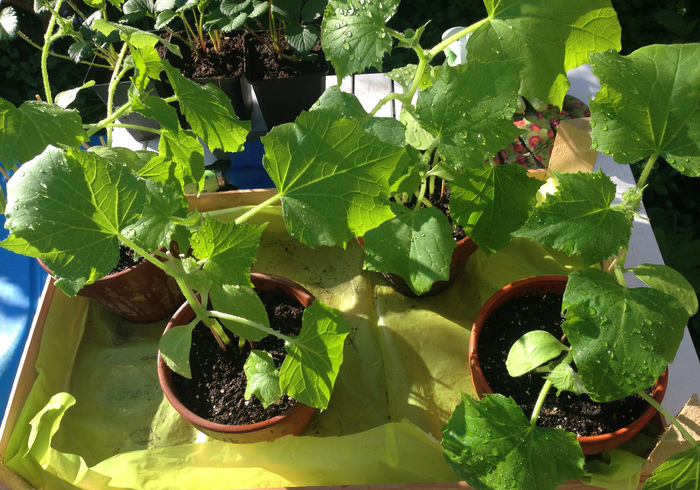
(574, 413)
(226, 63)
(267, 65)
(126, 259)
(216, 390)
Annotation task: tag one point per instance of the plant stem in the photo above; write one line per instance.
(249, 323)
(646, 170)
(540, 402)
(252, 212)
(455, 37)
(117, 74)
(668, 416)
(48, 39)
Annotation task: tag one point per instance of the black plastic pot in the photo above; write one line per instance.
(281, 100)
(238, 92)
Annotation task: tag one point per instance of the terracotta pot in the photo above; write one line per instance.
(141, 294)
(281, 100)
(555, 284)
(293, 421)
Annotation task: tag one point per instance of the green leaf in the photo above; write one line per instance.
(8, 24)
(578, 219)
(74, 204)
(182, 154)
(263, 378)
(244, 302)
(161, 111)
(470, 109)
(622, 338)
(552, 36)
(309, 371)
(26, 131)
(333, 177)
(649, 104)
(681, 471)
(387, 129)
(302, 38)
(670, 282)
(228, 249)
(136, 38)
(532, 350)
(491, 202)
(155, 226)
(174, 348)
(354, 35)
(564, 378)
(416, 245)
(491, 444)
(209, 112)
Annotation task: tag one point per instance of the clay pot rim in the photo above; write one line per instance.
(553, 283)
(140, 265)
(165, 373)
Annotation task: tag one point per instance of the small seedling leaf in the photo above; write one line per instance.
(262, 377)
(532, 350)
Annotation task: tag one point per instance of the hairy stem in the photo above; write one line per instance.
(250, 323)
(647, 170)
(252, 212)
(668, 416)
(540, 402)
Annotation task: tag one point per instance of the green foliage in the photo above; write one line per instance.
(309, 371)
(532, 350)
(578, 219)
(263, 378)
(680, 471)
(491, 444)
(638, 107)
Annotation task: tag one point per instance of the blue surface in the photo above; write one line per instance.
(246, 170)
(21, 283)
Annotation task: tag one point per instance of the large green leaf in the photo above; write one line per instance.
(354, 35)
(622, 338)
(73, 205)
(309, 371)
(649, 103)
(470, 108)
(262, 378)
(244, 302)
(681, 471)
(416, 245)
(670, 281)
(26, 131)
(209, 112)
(491, 202)
(333, 177)
(552, 35)
(578, 219)
(491, 444)
(228, 250)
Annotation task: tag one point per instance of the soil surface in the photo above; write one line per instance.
(266, 64)
(126, 259)
(575, 413)
(216, 390)
(227, 63)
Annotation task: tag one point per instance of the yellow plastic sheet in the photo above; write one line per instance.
(96, 417)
